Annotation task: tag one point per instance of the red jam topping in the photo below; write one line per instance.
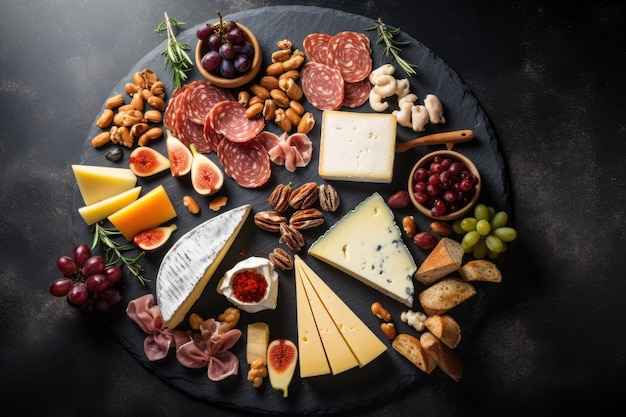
(249, 286)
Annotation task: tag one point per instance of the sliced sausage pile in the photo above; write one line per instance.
(208, 116)
(336, 74)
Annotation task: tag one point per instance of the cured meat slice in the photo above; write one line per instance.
(356, 94)
(212, 138)
(292, 151)
(174, 112)
(191, 132)
(350, 53)
(228, 118)
(268, 139)
(245, 162)
(316, 47)
(322, 85)
(200, 97)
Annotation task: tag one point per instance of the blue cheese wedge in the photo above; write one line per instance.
(190, 263)
(357, 146)
(367, 244)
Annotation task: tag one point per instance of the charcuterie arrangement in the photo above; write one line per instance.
(269, 246)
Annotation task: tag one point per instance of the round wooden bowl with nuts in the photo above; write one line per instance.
(444, 185)
(202, 48)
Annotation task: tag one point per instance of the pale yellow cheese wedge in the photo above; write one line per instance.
(95, 212)
(97, 183)
(147, 212)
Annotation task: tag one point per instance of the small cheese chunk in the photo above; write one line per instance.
(95, 212)
(97, 183)
(147, 212)
(367, 244)
(357, 146)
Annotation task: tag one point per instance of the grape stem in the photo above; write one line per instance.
(392, 46)
(175, 53)
(113, 251)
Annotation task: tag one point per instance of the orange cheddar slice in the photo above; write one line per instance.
(147, 212)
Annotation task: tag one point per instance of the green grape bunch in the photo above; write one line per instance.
(485, 234)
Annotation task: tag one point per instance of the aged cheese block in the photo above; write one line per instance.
(97, 183)
(95, 212)
(357, 146)
(190, 263)
(311, 357)
(363, 343)
(367, 244)
(340, 357)
(150, 210)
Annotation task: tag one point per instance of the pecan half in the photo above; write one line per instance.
(279, 198)
(304, 196)
(329, 198)
(306, 218)
(270, 220)
(291, 237)
(281, 259)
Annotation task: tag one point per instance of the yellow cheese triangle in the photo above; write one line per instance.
(95, 212)
(340, 357)
(311, 357)
(97, 183)
(363, 343)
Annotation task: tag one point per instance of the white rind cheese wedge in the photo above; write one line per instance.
(190, 263)
(363, 343)
(97, 183)
(367, 244)
(340, 357)
(357, 146)
(312, 358)
(95, 212)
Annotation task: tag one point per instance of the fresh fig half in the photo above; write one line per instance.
(179, 155)
(152, 239)
(206, 177)
(145, 161)
(282, 356)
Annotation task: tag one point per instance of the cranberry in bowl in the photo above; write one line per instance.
(444, 185)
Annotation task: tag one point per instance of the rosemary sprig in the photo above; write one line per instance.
(113, 251)
(175, 53)
(392, 46)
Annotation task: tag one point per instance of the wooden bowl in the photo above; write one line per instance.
(202, 48)
(454, 156)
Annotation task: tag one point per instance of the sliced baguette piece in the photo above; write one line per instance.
(447, 360)
(444, 259)
(445, 294)
(444, 328)
(480, 270)
(411, 348)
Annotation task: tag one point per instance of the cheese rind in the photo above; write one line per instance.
(357, 146)
(363, 343)
(95, 212)
(367, 244)
(148, 211)
(312, 357)
(190, 263)
(97, 183)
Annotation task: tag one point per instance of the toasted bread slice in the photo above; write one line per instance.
(444, 259)
(411, 348)
(445, 294)
(447, 360)
(444, 328)
(480, 270)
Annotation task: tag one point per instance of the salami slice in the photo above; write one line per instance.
(175, 113)
(322, 85)
(191, 132)
(245, 162)
(350, 53)
(228, 118)
(212, 138)
(356, 94)
(200, 97)
(316, 47)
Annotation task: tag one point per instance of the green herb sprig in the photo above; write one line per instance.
(393, 47)
(113, 251)
(175, 53)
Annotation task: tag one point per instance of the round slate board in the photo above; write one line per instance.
(389, 373)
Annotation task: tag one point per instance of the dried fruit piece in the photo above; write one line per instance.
(144, 162)
(179, 155)
(282, 356)
(153, 239)
(206, 177)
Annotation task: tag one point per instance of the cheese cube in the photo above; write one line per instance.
(357, 146)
